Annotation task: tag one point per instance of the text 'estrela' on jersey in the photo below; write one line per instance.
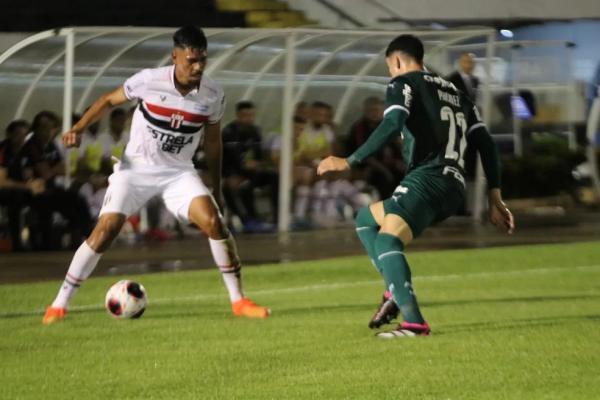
(167, 127)
(440, 118)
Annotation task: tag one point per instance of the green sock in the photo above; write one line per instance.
(396, 273)
(367, 230)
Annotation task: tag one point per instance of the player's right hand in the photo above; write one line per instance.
(332, 164)
(71, 139)
(500, 215)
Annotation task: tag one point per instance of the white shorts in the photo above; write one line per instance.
(129, 189)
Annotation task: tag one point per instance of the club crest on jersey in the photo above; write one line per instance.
(176, 120)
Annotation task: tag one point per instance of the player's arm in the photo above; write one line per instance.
(72, 138)
(213, 150)
(478, 136)
(390, 127)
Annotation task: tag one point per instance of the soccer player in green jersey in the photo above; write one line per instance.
(436, 122)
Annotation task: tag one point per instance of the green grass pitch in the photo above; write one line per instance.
(508, 323)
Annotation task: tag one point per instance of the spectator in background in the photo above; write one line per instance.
(91, 151)
(245, 169)
(112, 145)
(16, 191)
(328, 196)
(463, 78)
(303, 172)
(385, 169)
(302, 110)
(318, 137)
(115, 139)
(40, 158)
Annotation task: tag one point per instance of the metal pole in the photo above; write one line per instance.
(593, 126)
(480, 183)
(285, 163)
(571, 96)
(68, 94)
(516, 121)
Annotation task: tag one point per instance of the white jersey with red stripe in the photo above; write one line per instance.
(167, 127)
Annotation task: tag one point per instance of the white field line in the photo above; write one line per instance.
(340, 285)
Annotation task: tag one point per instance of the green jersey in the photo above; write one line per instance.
(436, 121)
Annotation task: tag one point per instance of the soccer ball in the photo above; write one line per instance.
(126, 299)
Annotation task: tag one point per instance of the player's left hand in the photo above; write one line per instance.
(501, 216)
(332, 164)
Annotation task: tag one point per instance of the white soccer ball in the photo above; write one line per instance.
(126, 299)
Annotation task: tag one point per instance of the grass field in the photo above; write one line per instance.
(508, 323)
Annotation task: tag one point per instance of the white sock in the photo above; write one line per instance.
(301, 201)
(83, 263)
(225, 254)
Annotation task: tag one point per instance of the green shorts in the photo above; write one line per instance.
(427, 195)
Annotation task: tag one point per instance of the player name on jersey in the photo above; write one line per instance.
(449, 98)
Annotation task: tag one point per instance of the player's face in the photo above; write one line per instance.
(189, 65)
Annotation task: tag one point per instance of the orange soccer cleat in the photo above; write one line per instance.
(54, 314)
(247, 308)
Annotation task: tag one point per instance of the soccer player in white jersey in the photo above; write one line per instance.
(176, 104)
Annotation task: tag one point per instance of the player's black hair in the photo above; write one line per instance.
(299, 120)
(37, 120)
(118, 112)
(244, 105)
(407, 44)
(16, 124)
(189, 36)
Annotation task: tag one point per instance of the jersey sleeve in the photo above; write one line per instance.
(479, 136)
(399, 96)
(219, 109)
(135, 86)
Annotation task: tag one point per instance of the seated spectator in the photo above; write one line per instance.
(245, 169)
(324, 197)
(40, 158)
(99, 152)
(15, 193)
(114, 141)
(303, 172)
(385, 169)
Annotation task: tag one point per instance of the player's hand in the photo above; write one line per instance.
(332, 164)
(71, 139)
(500, 215)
